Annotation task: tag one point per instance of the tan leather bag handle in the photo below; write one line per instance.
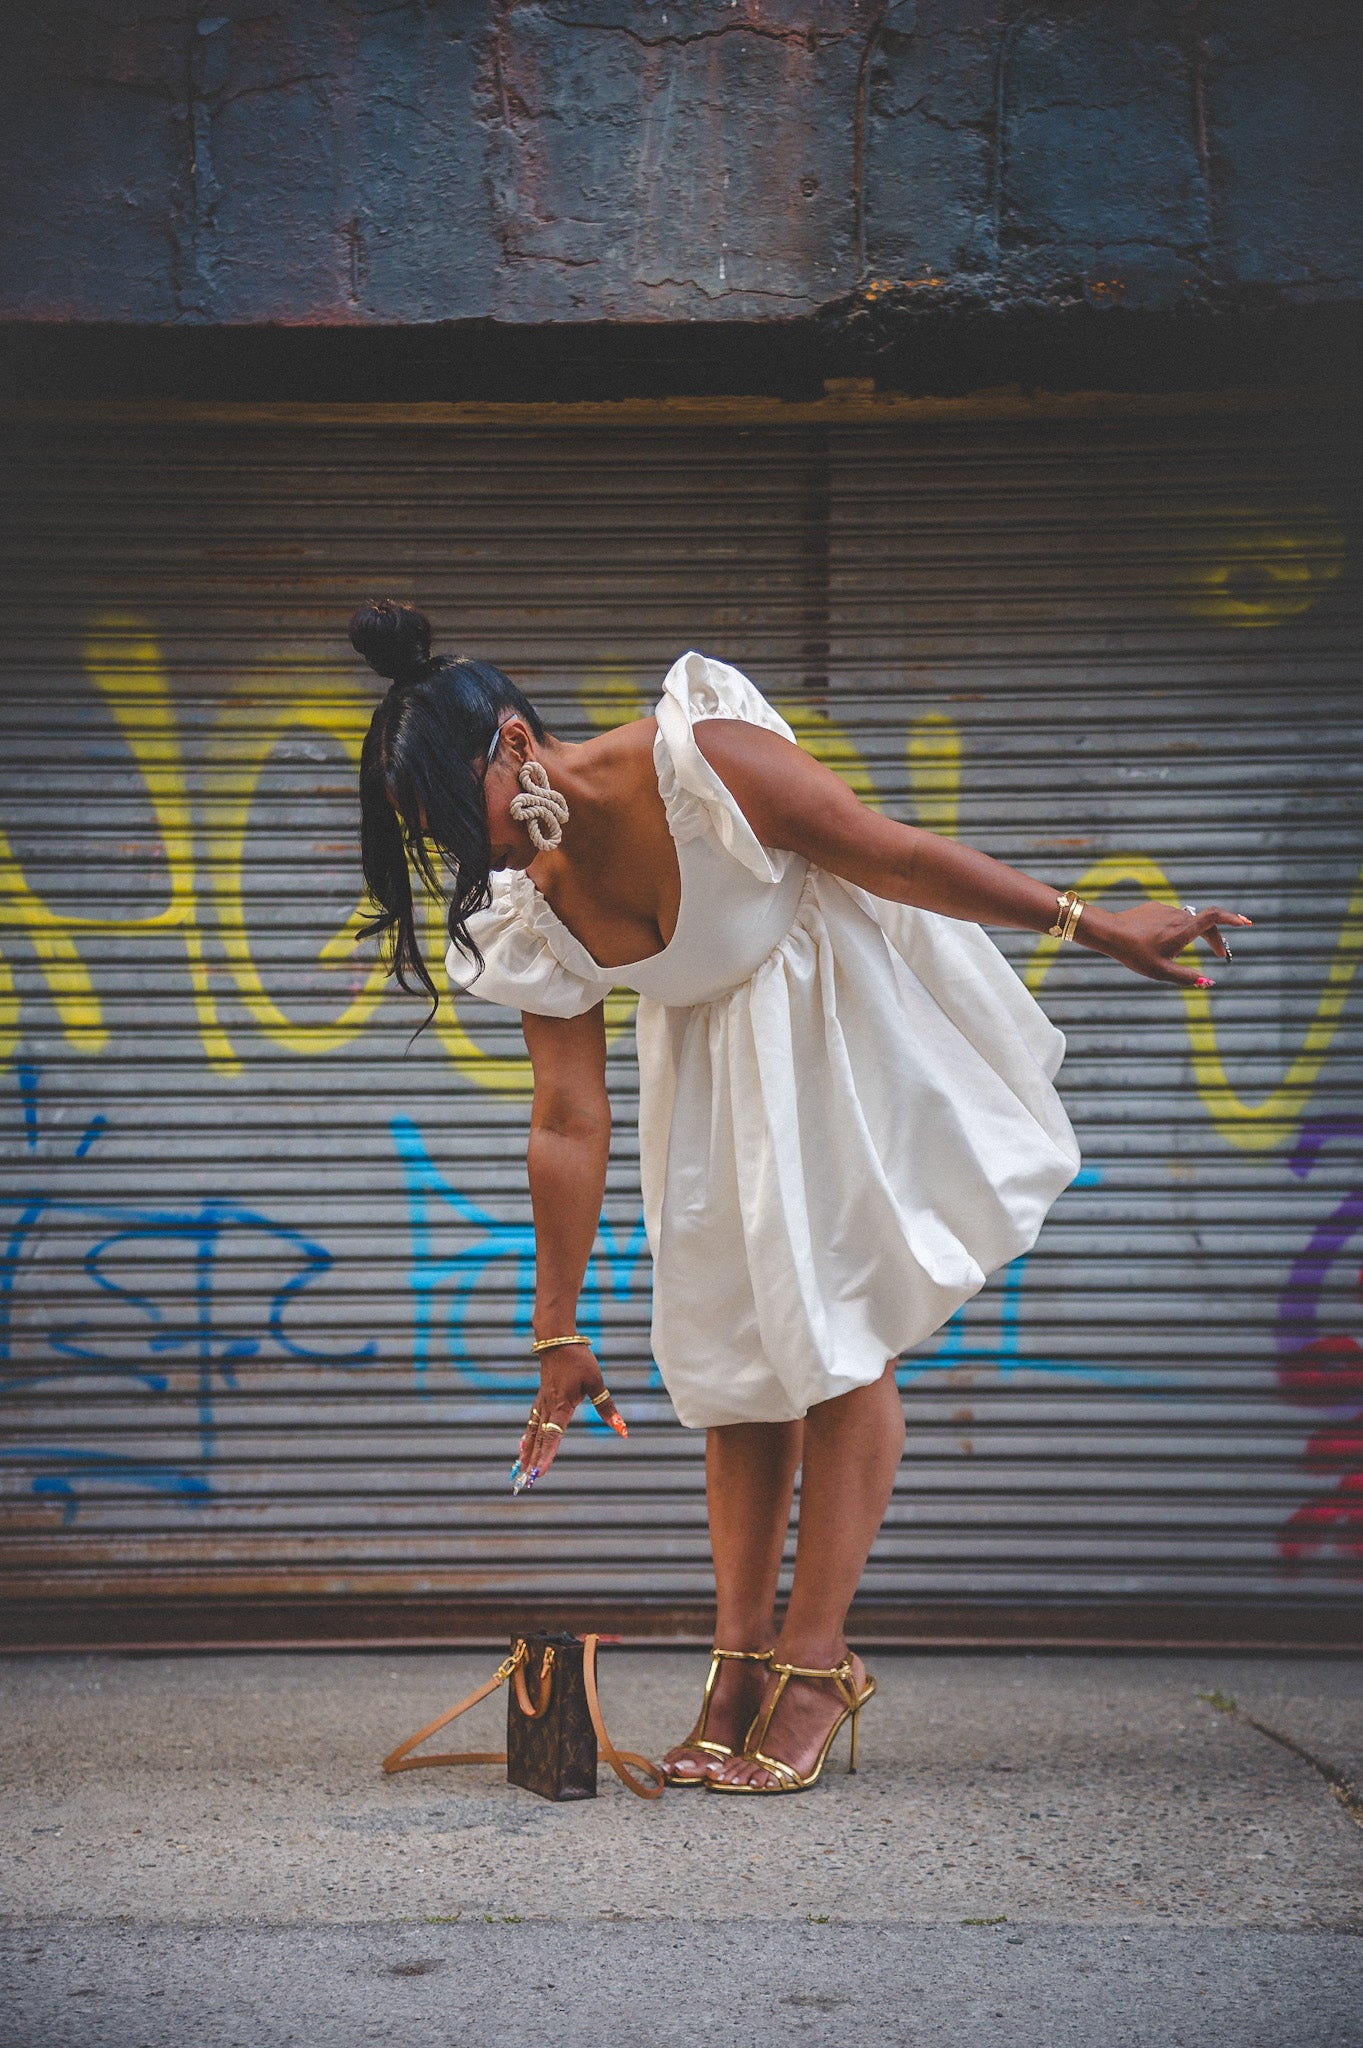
(616, 1758)
(401, 1759)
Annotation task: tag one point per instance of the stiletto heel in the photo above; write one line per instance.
(788, 1779)
(852, 1760)
(698, 1739)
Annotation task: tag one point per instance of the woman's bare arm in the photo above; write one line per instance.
(570, 1130)
(793, 801)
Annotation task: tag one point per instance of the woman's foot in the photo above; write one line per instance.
(807, 1709)
(734, 1700)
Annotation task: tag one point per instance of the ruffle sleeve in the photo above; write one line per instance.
(694, 688)
(530, 961)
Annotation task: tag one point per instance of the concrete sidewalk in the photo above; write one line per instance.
(1044, 1849)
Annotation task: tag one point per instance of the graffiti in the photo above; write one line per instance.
(443, 1280)
(1247, 572)
(953, 1349)
(125, 664)
(260, 709)
(1251, 1127)
(100, 1470)
(151, 1299)
(142, 1294)
(1323, 1370)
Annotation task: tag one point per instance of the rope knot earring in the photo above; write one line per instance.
(541, 809)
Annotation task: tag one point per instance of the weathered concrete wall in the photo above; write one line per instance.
(569, 160)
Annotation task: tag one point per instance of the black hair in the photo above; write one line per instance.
(421, 801)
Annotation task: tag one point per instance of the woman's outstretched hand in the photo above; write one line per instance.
(1149, 938)
(569, 1375)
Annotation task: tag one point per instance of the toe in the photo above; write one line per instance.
(686, 1763)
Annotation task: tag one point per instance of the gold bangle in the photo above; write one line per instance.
(1068, 911)
(553, 1343)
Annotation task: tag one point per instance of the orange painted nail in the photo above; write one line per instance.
(618, 1426)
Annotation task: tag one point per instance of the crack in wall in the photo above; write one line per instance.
(735, 291)
(872, 43)
(810, 39)
(1343, 1787)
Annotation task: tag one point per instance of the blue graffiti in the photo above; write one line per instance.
(443, 1282)
(103, 1468)
(1006, 1355)
(200, 1333)
(27, 1077)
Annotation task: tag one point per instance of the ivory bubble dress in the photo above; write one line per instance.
(846, 1117)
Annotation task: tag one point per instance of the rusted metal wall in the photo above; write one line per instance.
(698, 160)
(267, 1268)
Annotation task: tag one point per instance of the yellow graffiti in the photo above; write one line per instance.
(610, 696)
(504, 1074)
(935, 771)
(1252, 1127)
(827, 741)
(1251, 573)
(68, 981)
(259, 710)
(124, 663)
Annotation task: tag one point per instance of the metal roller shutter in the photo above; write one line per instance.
(267, 1268)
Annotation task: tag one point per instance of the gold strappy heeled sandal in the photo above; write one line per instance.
(698, 1739)
(787, 1778)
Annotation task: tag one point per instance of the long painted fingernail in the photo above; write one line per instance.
(1226, 952)
(618, 1426)
(514, 1470)
(1203, 982)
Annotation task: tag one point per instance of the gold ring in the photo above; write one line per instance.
(532, 1418)
(597, 1399)
(556, 1427)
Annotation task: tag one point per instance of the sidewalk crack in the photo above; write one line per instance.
(1344, 1788)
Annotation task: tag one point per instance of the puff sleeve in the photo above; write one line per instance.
(530, 962)
(695, 688)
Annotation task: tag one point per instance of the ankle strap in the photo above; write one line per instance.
(743, 1656)
(844, 1671)
(842, 1676)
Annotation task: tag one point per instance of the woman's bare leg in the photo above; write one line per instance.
(749, 1479)
(852, 1448)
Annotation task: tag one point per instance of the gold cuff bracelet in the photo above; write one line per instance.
(1068, 911)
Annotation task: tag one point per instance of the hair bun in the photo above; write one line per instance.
(395, 639)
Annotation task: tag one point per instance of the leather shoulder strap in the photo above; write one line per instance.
(401, 1759)
(618, 1759)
